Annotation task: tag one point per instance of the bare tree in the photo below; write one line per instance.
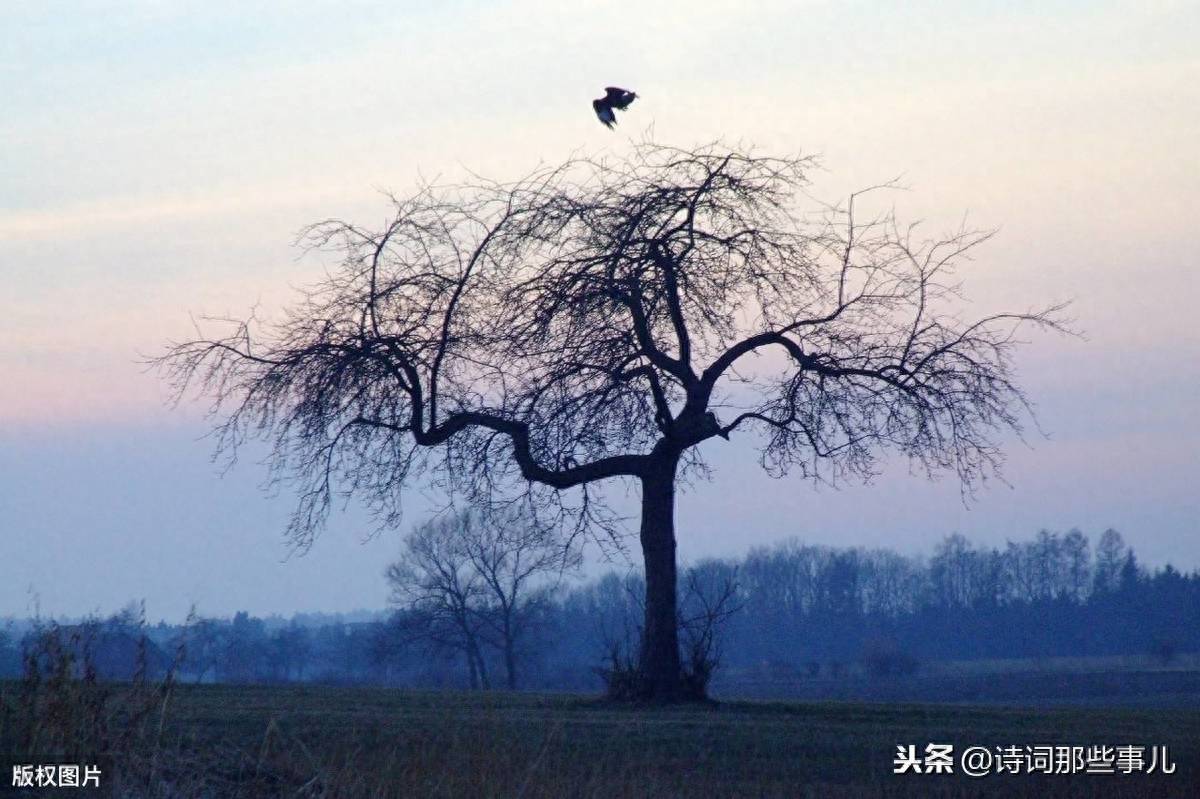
(590, 321)
(519, 563)
(474, 578)
(288, 649)
(710, 597)
(203, 644)
(436, 587)
(1078, 565)
(1111, 553)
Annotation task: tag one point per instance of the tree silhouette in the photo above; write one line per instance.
(590, 322)
(471, 577)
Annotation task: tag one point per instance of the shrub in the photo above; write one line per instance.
(884, 658)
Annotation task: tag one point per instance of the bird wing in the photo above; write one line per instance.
(614, 92)
(604, 112)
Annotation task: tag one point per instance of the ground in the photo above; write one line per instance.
(322, 741)
(1121, 681)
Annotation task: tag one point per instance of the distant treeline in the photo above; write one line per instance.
(1052, 596)
(806, 609)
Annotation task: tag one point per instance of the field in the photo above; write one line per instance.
(318, 741)
(1086, 682)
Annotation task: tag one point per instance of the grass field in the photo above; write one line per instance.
(317, 741)
(1045, 687)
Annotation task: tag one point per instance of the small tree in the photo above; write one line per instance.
(474, 578)
(519, 563)
(435, 589)
(244, 649)
(288, 649)
(883, 657)
(709, 596)
(1110, 557)
(203, 641)
(602, 320)
(1164, 650)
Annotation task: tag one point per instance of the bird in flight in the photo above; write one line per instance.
(614, 99)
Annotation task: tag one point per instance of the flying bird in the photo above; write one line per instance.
(614, 99)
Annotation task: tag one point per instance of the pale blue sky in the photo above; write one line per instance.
(157, 158)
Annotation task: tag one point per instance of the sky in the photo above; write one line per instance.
(158, 158)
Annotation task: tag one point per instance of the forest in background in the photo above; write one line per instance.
(799, 610)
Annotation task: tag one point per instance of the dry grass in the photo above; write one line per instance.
(61, 712)
(218, 741)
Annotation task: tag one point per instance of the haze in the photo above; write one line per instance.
(158, 160)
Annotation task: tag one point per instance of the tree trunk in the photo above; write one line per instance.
(481, 665)
(510, 657)
(659, 659)
(471, 668)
